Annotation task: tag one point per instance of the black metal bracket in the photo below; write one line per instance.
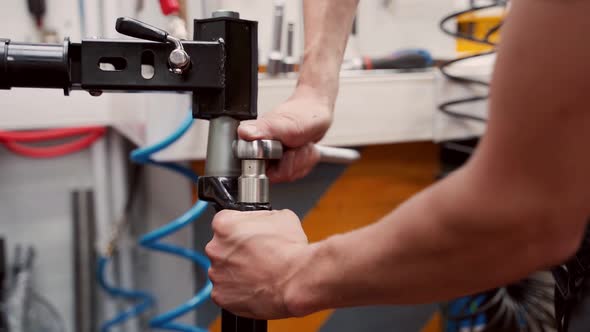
(4, 63)
(239, 98)
(223, 73)
(124, 61)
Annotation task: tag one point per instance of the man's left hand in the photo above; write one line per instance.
(253, 256)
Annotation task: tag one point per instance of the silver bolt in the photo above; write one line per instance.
(225, 13)
(259, 149)
(179, 61)
(253, 185)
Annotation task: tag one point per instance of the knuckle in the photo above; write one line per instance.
(211, 274)
(215, 297)
(216, 225)
(209, 249)
(222, 221)
(286, 213)
(225, 214)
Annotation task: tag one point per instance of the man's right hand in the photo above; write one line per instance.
(298, 123)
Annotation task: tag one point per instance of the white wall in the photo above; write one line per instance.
(16, 23)
(36, 210)
(383, 26)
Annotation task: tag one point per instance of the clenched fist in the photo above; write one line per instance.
(254, 255)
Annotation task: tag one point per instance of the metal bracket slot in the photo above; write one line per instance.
(97, 73)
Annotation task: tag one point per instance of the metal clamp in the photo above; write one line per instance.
(259, 149)
(178, 60)
(253, 184)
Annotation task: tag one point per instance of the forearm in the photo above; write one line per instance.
(327, 26)
(520, 204)
(450, 240)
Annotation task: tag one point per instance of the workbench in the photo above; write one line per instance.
(373, 107)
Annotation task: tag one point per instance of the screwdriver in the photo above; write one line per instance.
(3, 276)
(404, 60)
(37, 9)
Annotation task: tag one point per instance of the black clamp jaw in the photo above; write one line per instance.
(222, 192)
(246, 191)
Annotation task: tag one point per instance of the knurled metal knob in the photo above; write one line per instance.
(260, 149)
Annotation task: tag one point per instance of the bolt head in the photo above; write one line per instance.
(225, 13)
(179, 61)
(259, 149)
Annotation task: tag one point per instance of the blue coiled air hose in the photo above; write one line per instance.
(151, 240)
(144, 300)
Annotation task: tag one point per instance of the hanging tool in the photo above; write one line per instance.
(275, 58)
(37, 9)
(290, 63)
(84, 260)
(3, 282)
(3, 272)
(176, 23)
(401, 60)
(21, 290)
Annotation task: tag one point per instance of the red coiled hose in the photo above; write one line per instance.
(13, 141)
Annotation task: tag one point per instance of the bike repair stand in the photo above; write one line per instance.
(229, 183)
(219, 67)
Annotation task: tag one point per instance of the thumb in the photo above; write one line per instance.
(293, 130)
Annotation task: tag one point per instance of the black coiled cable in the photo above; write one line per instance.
(447, 107)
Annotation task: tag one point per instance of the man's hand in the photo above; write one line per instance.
(298, 123)
(253, 257)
